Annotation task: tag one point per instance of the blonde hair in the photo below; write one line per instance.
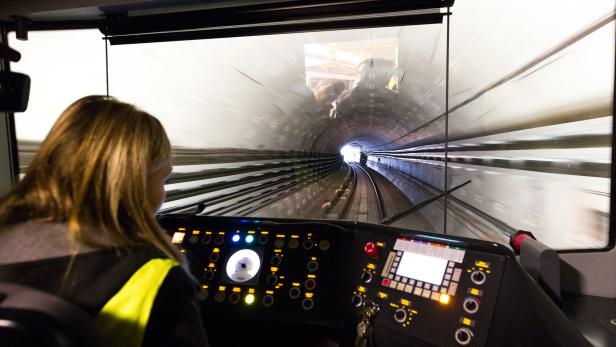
(92, 171)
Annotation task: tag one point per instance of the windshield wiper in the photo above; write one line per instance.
(395, 217)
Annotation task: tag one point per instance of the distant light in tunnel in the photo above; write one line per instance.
(350, 153)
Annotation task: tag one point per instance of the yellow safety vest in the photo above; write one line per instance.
(123, 319)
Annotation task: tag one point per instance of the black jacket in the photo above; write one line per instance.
(38, 255)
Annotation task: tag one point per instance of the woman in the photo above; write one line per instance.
(81, 225)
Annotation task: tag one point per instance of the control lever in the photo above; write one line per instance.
(365, 332)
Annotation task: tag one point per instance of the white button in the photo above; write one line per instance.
(408, 289)
(390, 276)
(445, 283)
(412, 282)
(449, 270)
(447, 277)
(443, 290)
(405, 280)
(395, 264)
(417, 291)
(397, 259)
(452, 289)
(426, 293)
(427, 286)
(400, 286)
(393, 284)
(397, 278)
(435, 287)
(435, 296)
(419, 283)
(451, 263)
(456, 275)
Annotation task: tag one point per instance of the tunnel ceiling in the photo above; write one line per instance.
(284, 92)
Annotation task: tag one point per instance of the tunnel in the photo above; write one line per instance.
(495, 120)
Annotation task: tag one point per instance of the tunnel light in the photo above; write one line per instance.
(351, 153)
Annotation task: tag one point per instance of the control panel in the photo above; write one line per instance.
(429, 289)
(253, 271)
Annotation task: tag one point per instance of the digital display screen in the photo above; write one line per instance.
(422, 268)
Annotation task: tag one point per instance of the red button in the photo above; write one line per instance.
(385, 282)
(371, 250)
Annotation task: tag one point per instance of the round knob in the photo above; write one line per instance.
(272, 280)
(463, 336)
(357, 300)
(478, 277)
(307, 304)
(263, 239)
(276, 260)
(471, 305)
(310, 284)
(366, 277)
(214, 257)
(219, 296)
(294, 293)
(268, 300)
(219, 240)
(234, 298)
(293, 244)
(400, 315)
(208, 275)
(206, 240)
(203, 294)
(308, 244)
(371, 250)
(193, 238)
(313, 266)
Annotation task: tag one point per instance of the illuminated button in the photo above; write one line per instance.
(307, 304)
(268, 300)
(443, 290)
(206, 239)
(294, 292)
(263, 239)
(426, 293)
(398, 278)
(435, 287)
(417, 291)
(412, 282)
(193, 238)
(279, 243)
(482, 264)
(214, 257)
(451, 264)
(235, 238)
(449, 270)
(408, 289)
(250, 238)
(313, 266)
(234, 298)
(444, 299)
(324, 245)
(405, 280)
(293, 244)
(400, 286)
(390, 276)
(395, 264)
(445, 283)
(420, 283)
(272, 280)
(308, 244)
(371, 250)
(456, 275)
(310, 284)
(448, 277)
(427, 285)
(393, 284)
(435, 296)
(397, 258)
(385, 282)
(249, 299)
(218, 240)
(220, 296)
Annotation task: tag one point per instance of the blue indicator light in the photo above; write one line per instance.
(235, 238)
(438, 238)
(250, 238)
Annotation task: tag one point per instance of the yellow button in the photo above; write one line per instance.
(444, 299)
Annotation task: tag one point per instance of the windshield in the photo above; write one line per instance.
(353, 124)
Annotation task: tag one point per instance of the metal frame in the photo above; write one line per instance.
(9, 162)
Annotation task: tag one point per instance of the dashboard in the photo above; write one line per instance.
(284, 282)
